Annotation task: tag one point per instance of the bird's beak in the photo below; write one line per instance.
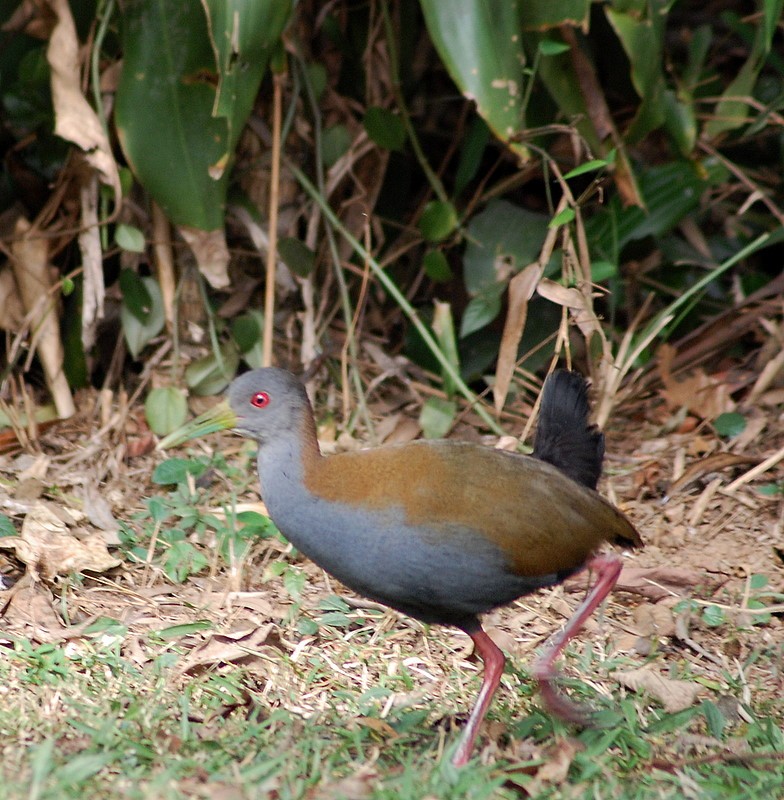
(218, 418)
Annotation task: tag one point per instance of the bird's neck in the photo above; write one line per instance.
(286, 463)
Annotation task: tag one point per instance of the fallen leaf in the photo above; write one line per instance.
(559, 758)
(674, 695)
(229, 648)
(358, 786)
(48, 548)
(700, 393)
(656, 583)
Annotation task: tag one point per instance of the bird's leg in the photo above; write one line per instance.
(494, 661)
(608, 568)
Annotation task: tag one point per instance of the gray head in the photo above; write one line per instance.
(269, 403)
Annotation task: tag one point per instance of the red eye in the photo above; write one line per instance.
(260, 399)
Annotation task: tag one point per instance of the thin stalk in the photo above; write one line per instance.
(345, 299)
(272, 223)
(432, 178)
(400, 299)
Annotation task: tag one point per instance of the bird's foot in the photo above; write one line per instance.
(560, 705)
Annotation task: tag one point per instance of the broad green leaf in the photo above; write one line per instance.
(730, 424)
(244, 328)
(212, 373)
(297, 256)
(473, 148)
(642, 37)
(680, 121)
(184, 96)
(438, 220)
(758, 581)
(129, 237)
(243, 36)
(135, 294)
(294, 582)
(166, 409)
(163, 111)
(246, 331)
(437, 417)
(176, 470)
(333, 602)
(139, 334)
(502, 239)
(437, 267)
(335, 143)
(384, 128)
(714, 616)
(335, 619)
(538, 15)
(482, 309)
(670, 192)
(480, 44)
(714, 718)
(6, 526)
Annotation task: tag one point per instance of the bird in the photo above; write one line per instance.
(441, 530)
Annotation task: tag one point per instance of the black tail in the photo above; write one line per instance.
(563, 436)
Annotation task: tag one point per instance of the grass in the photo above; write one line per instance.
(179, 686)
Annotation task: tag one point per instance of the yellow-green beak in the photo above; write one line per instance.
(218, 418)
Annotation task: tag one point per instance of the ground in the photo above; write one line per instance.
(161, 640)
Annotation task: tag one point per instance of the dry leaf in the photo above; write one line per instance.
(225, 648)
(521, 289)
(714, 463)
(212, 255)
(656, 583)
(93, 289)
(49, 549)
(701, 394)
(673, 695)
(555, 768)
(11, 310)
(31, 267)
(75, 119)
(572, 298)
(29, 605)
(98, 510)
(358, 786)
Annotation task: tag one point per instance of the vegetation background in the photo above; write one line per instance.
(420, 206)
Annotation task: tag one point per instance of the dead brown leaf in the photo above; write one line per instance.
(358, 786)
(211, 252)
(30, 606)
(75, 119)
(48, 548)
(674, 695)
(713, 463)
(656, 583)
(225, 648)
(556, 767)
(702, 394)
(521, 289)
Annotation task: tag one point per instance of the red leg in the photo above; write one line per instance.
(494, 662)
(608, 568)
